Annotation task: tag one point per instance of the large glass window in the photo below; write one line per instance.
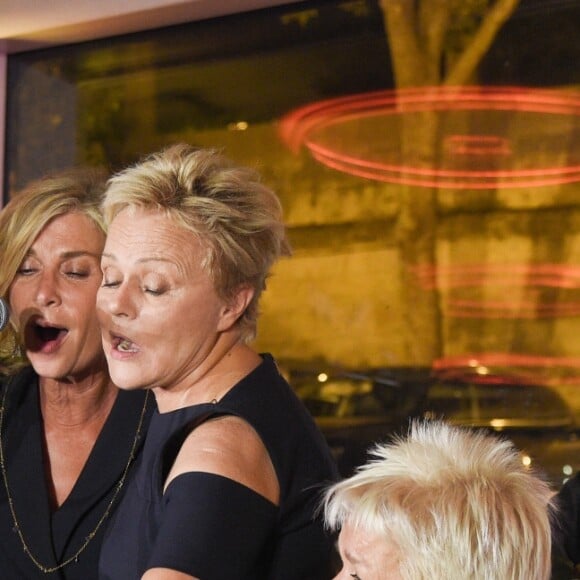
(428, 159)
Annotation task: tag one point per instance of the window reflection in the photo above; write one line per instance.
(445, 227)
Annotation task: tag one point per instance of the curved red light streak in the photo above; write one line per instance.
(502, 276)
(303, 126)
(533, 369)
(474, 275)
(497, 359)
(510, 310)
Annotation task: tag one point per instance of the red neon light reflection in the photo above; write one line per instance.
(477, 145)
(487, 276)
(475, 275)
(501, 359)
(512, 310)
(321, 127)
(510, 367)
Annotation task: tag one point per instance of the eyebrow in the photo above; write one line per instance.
(67, 255)
(153, 259)
(141, 260)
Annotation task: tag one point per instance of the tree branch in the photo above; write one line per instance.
(480, 43)
(434, 19)
(402, 26)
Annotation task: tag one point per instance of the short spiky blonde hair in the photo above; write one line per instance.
(458, 503)
(26, 215)
(227, 208)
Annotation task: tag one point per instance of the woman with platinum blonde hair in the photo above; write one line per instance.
(442, 503)
(233, 464)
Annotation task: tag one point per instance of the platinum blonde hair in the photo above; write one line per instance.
(459, 505)
(23, 218)
(237, 219)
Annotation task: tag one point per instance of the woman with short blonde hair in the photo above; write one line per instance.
(233, 464)
(443, 503)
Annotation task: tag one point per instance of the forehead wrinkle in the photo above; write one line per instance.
(351, 557)
(159, 259)
(150, 259)
(166, 242)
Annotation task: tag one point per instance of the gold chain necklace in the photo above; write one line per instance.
(92, 534)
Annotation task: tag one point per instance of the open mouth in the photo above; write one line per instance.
(123, 344)
(44, 337)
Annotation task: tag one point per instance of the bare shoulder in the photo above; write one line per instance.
(230, 447)
(166, 574)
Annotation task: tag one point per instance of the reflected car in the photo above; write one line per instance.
(354, 410)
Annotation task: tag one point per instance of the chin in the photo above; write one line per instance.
(49, 370)
(125, 381)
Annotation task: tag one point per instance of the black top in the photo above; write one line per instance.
(566, 530)
(213, 528)
(52, 537)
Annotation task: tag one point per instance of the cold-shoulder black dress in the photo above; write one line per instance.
(213, 528)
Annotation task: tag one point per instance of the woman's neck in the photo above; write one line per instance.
(73, 414)
(71, 403)
(211, 380)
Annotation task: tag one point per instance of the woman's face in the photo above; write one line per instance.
(366, 555)
(52, 298)
(159, 312)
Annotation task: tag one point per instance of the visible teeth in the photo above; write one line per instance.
(125, 345)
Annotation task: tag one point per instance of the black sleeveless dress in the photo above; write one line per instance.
(213, 528)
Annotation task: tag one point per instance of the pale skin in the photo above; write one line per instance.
(154, 285)
(366, 555)
(52, 302)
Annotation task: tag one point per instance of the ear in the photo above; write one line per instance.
(232, 311)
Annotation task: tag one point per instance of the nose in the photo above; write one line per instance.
(117, 301)
(47, 292)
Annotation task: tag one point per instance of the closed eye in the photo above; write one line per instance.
(77, 274)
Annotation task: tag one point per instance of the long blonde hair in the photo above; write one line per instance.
(25, 216)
